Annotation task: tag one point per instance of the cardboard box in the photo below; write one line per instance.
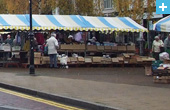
(37, 54)
(114, 48)
(121, 48)
(16, 48)
(6, 47)
(97, 59)
(131, 48)
(126, 55)
(148, 59)
(79, 47)
(88, 60)
(73, 59)
(106, 60)
(45, 60)
(115, 60)
(108, 47)
(139, 59)
(37, 61)
(126, 61)
(66, 47)
(133, 61)
(101, 48)
(148, 70)
(120, 59)
(92, 48)
(81, 59)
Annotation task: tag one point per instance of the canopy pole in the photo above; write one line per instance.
(31, 37)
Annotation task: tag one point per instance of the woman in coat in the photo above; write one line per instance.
(156, 47)
(52, 44)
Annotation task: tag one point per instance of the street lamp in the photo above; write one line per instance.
(31, 37)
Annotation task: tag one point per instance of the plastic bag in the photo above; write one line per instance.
(163, 56)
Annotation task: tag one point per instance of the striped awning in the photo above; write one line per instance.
(113, 24)
(162, 25)
(70, 22)
(60, 22)
(13, 22)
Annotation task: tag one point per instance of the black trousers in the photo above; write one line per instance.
(156, 55)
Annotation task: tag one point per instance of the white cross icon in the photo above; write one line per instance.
(162, 6)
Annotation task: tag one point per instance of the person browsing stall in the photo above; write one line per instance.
(52, 44)
(156, 45)
(8, 40)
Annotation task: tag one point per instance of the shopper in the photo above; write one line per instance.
(156, 47)
(167, 44)
(8, 40)
(52, 44)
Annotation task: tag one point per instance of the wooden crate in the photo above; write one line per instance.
(45, 60)
(100, 48)
(121, 48)
(92, 48)
(114, 48)
(131, 48)
(115, 60)
(37, 54)
(78, 46)
(108, 47)
(88, 60)
(97, 59)
(81, 59)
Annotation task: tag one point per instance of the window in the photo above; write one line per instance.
(108, 3)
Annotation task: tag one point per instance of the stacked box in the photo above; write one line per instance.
(131, 48)
(121, 48)
(115, 60)
(133, 61)
(45, 60)
(106, 61)
(114, 48)
(73, 60)
(100, 48)
(108, 47)
(37, 54)
(121, 60)
(91, 48)
(97, 59)
(81, 59)
(126, 58)
(88, 60)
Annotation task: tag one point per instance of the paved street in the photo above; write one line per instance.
(10, 100)
(125, 88)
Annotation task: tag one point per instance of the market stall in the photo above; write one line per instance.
(43, 24)
(162, 25)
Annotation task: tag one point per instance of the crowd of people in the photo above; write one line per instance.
(158, 46)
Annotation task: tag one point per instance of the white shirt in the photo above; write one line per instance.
(52, 44)
(156, 45)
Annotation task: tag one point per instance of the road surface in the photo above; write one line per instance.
(11, 100)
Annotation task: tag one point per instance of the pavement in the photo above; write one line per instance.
(113, 88)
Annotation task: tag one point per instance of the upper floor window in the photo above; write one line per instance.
(108, 3)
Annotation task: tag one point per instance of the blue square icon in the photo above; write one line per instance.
(162, 7)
